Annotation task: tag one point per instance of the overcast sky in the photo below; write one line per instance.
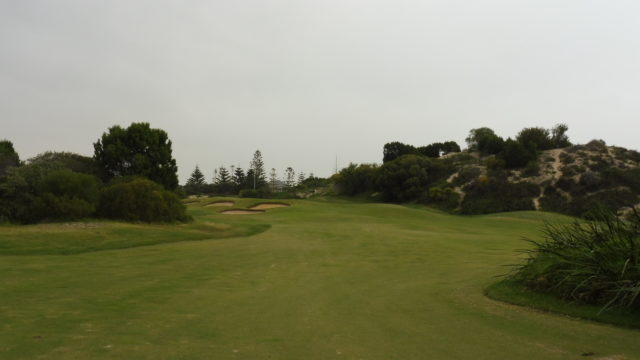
(305, 81)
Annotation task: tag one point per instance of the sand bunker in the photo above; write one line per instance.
(241, 212)
(265, 206)
(220, 203)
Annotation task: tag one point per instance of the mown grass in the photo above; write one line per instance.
(82, 237)
(516, 293)
(329, 279)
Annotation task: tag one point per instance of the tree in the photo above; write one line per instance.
(515, 154)
(485, 141)
(137, 150)
(535, 139)
(238, 179)
(67, 160)
(223, 181)
(290, 178)
(395, 149)
(559, 139)
(301, 177)
(257, 165)
(273, 179)
(355, 179)
(196, 183)
(8, 156)
(450, 147)
(432, 150)
(249, 181)
(407, 178)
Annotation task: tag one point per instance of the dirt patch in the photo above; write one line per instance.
(220, 203)
(241, 212)
(265, 206)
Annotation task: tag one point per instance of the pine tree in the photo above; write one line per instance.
(196, 183)
(239, 179)
(257, 165)
(223, 181)
(291, 178)
(301, 178)
(223, 176)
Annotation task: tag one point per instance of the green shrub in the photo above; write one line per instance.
(141, 200)
(356, 179)
(248, 193)
(408, 177)
(553, 200)
(443, 198)
(613, 177)
(611, 200)
(597, 262)
(465, 175)
(535, 139)
(258, 193)
(532, 169)
(68, 195)
(516, 155)
(494, 163)
(498, 195)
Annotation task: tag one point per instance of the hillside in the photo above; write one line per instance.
(570, 180)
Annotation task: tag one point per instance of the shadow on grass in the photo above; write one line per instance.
(513, 292)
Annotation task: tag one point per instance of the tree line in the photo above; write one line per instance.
(252, 183)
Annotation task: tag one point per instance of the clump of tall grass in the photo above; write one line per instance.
(595, 261)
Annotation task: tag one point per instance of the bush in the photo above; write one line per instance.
(443, 198)
(610, 200)
(535, 139)
(532, 169)
(67, 195)
(494, 163)
(465, 175)
(515, 154)
(408, 177)
(46, 190)
(141, 200)
(356, 179)
(597, 262)
(566, 159)
(498, 195)
(248, 193)
(553, 200)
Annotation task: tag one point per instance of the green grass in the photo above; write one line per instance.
(82, 237)
(515, 293)
(329, 279)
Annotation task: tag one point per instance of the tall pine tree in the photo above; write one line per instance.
(257, 165)
(196, 184)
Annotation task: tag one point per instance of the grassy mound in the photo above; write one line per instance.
(82, 237)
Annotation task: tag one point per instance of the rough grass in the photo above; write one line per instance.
(329, 279)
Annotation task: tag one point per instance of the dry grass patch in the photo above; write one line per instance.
(269, 205)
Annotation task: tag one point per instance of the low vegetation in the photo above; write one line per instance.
(537, 170)
(593, 262)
